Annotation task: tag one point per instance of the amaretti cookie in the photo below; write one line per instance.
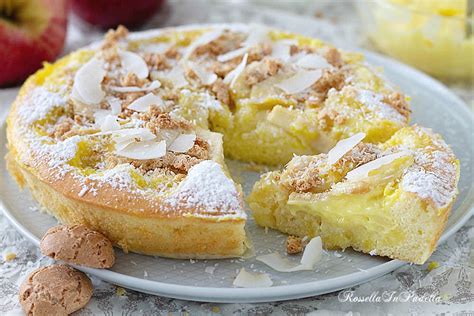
(77, 244)
(55, 290)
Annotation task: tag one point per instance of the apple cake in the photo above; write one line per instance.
(127, 136)
(389, 199)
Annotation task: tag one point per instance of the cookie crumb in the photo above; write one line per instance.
(433, 265)
(9, 256)
(120, 291)
(294, 245)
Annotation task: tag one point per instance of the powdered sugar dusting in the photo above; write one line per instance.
(208, 101)
(118, 177)
(62, 152)
(374, 102)
(206, 186)
(433, 176)
(39, 103)
(56, 155)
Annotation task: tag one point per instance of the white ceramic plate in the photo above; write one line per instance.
(433, 106)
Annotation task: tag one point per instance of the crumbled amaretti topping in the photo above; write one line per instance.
(398, 101)
(112, 37)
(221, 91)
(157, 61)
(259, 51)
(177, 163)
(156, 120)
(302, 174)
(226, 42)
(312, 173)
(63, 127)
(359, 155)
(330, 79)
(333, 56)
(258, 71)
(328, 117)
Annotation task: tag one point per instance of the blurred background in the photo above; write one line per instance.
(435, 36)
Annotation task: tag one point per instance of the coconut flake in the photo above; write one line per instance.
(109, 123)
(169, 135)
(134, 63)
(143, 150)
(115, 105)
(232, 76)
(312, 61)
(142, 104)
(99, 116)
(204, 39)
(155, 84)
(282, 49)
(177, 78)
(232, 54)
(87, 87)
(299, 82)
(344, 146)
(252, 280)
(132, 134)
(206, 77)
(156, 48)
(311, 255)
(257, 34)
(364, 170)
(183, 143)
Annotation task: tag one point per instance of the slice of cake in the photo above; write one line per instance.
(391, 199)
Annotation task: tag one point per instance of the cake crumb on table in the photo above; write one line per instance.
(9, 256)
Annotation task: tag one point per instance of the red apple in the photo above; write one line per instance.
(31, 31)
(111, 13)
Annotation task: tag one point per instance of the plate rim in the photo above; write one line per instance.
(279, 292)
